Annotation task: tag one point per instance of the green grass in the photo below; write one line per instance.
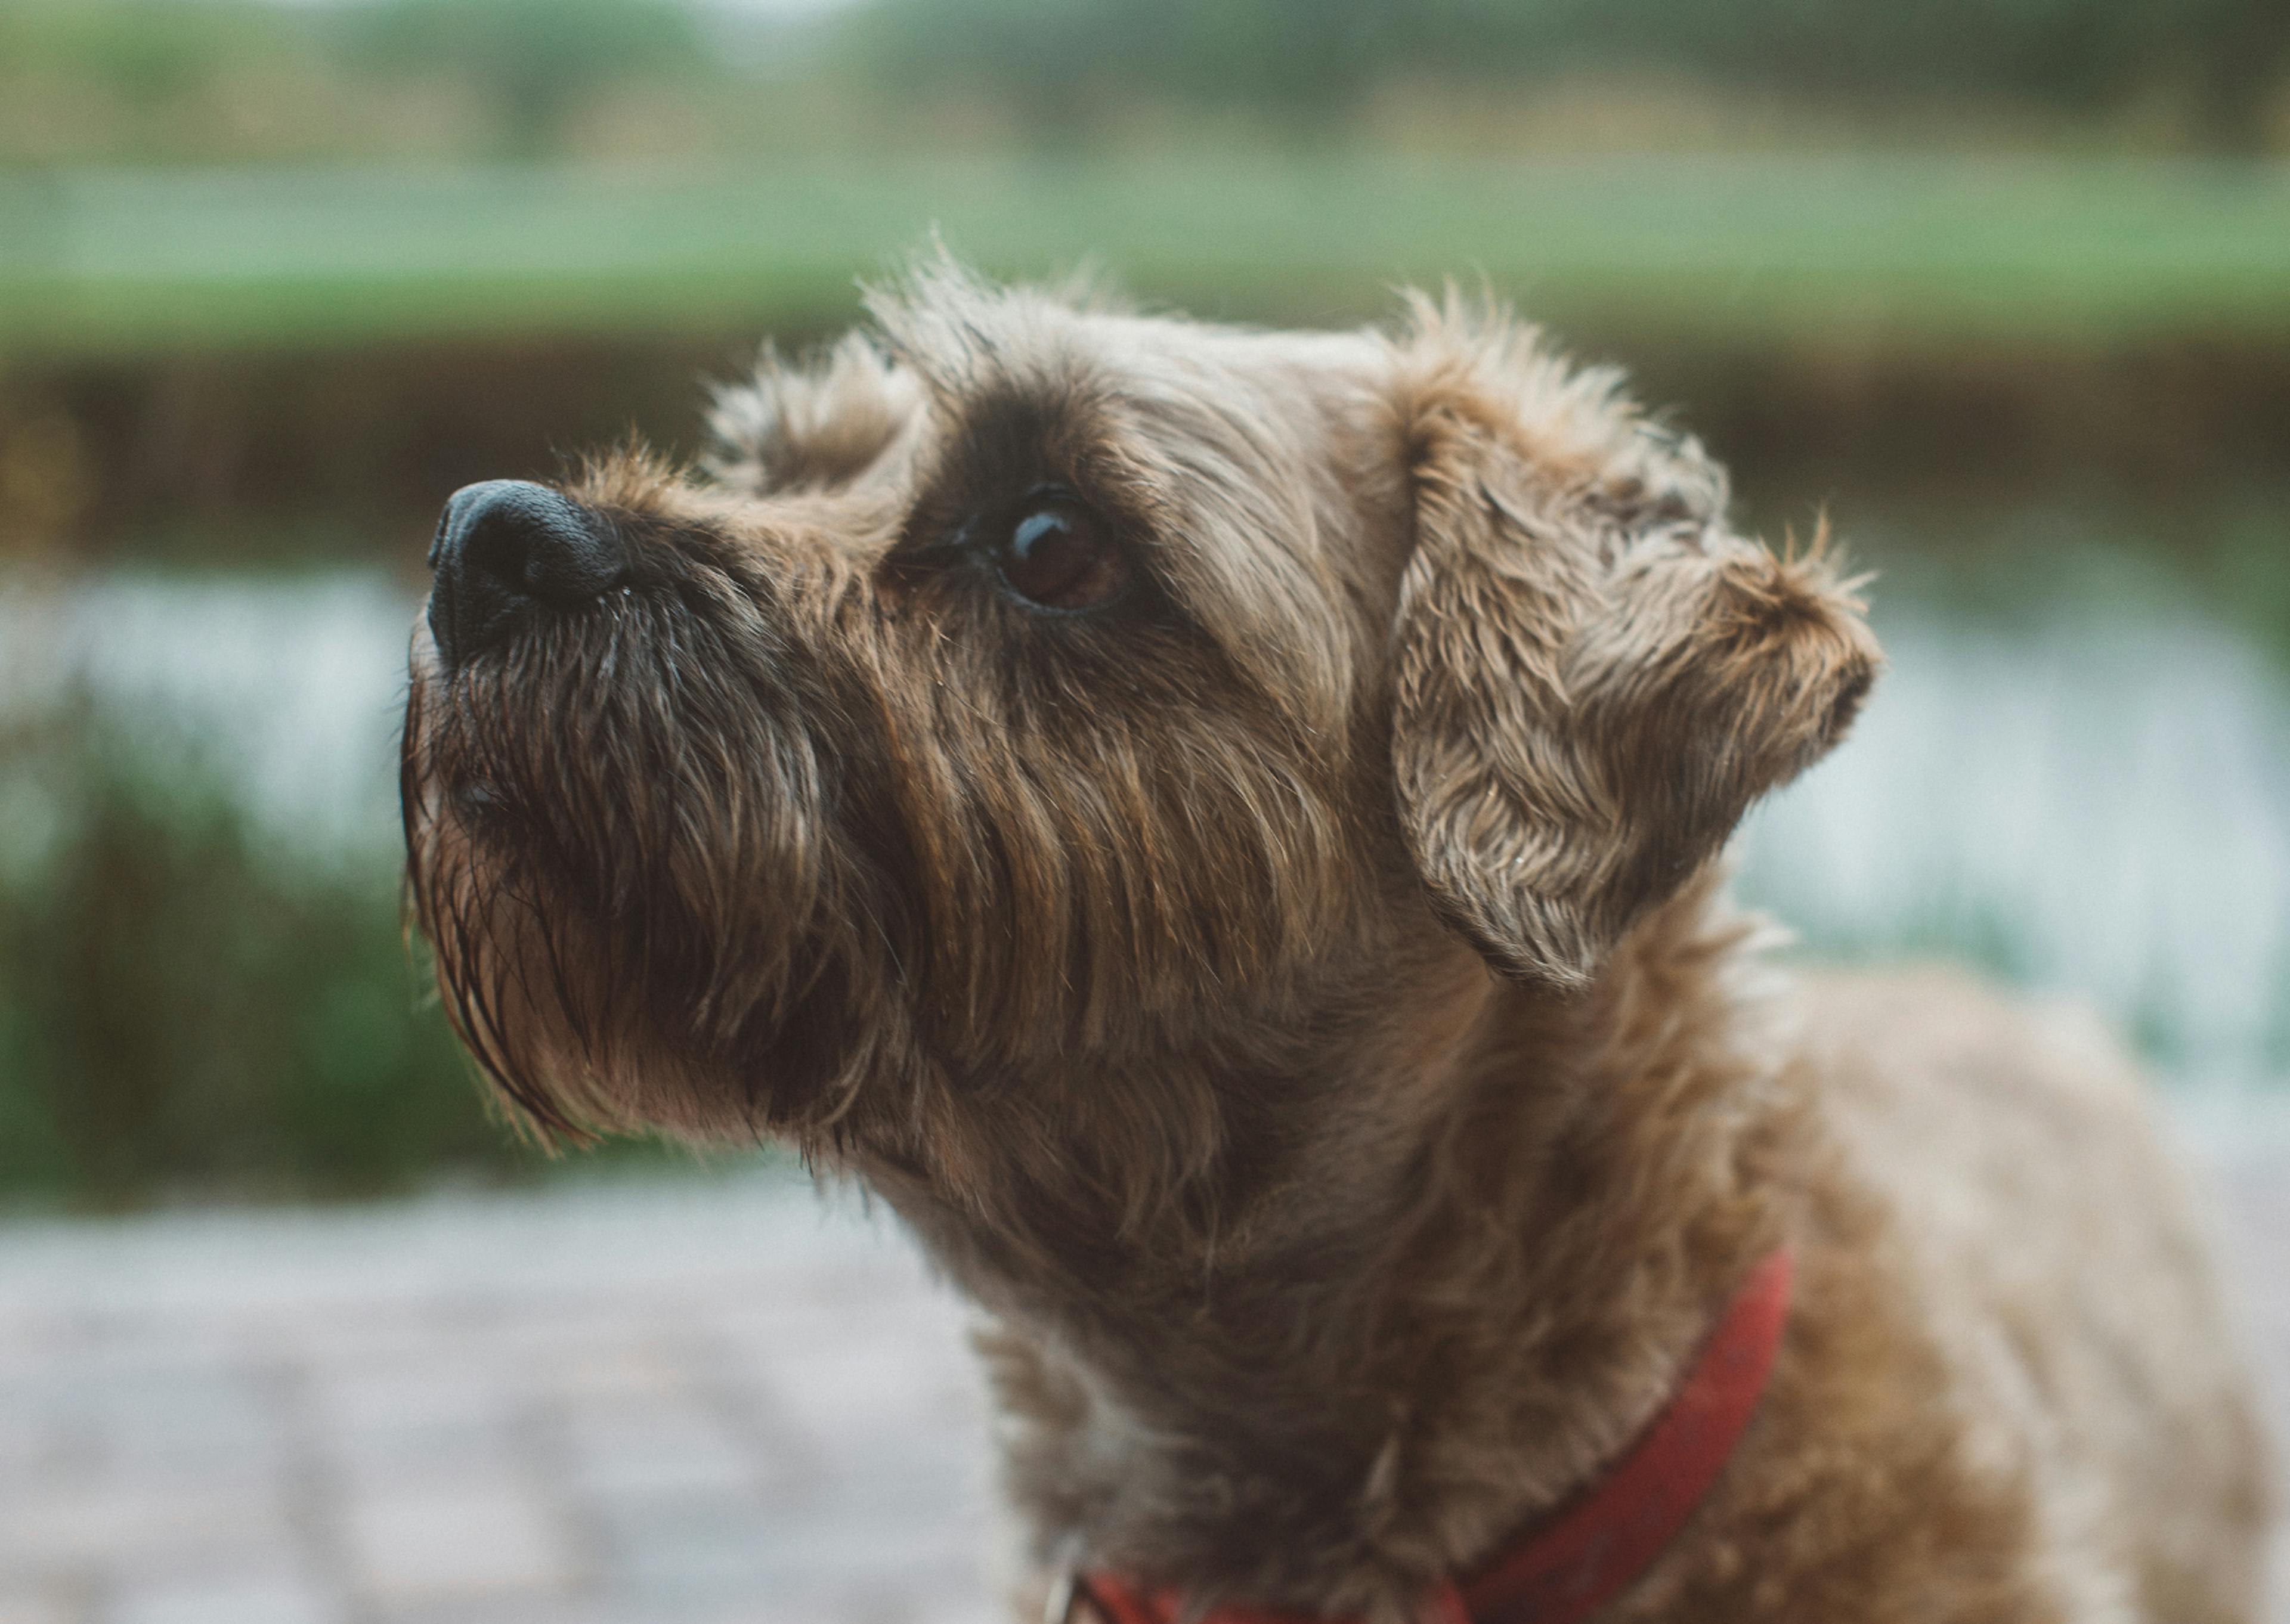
(189, 1008)
(1844, 248)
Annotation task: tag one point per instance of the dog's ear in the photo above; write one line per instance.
(810, 425)
(1593, 676)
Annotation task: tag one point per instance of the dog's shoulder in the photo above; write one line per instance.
(1967, 1103)
(2043, 1228)
(1958, 1042)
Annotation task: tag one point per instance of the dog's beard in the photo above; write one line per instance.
(614, 845)
(692, 857)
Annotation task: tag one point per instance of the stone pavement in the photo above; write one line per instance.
(708, 1402)
(703, 1402)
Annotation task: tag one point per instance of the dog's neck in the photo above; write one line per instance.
(1449, 1300)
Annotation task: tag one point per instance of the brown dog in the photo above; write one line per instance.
(1219, 829)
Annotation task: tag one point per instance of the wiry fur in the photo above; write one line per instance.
(1298, 1004)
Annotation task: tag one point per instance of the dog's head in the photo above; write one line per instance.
(1046, 715)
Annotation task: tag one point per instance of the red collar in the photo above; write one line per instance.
(1584, 1554)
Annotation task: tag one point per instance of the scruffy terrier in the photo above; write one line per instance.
(1219, 828)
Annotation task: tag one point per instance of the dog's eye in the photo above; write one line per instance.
(1057, 554)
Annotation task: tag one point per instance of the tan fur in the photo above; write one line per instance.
(1299, 1004)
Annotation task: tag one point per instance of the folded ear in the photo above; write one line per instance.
(1594, 679)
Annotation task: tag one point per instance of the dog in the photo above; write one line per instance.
(1223, 831)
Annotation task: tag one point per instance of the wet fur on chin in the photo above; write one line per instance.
(1299, 1003)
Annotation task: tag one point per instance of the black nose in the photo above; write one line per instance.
(502, 548)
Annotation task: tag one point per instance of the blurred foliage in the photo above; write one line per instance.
(166, 80)
(538, 61)
(1064, 61)
(183, 1004)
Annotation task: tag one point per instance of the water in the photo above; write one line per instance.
(2099, 807)
(2097, 804)
(290, 688)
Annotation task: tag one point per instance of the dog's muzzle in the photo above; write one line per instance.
(506, 549)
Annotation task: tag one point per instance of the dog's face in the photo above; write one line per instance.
(1047, 731)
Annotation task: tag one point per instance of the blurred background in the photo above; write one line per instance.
(2001, 286)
